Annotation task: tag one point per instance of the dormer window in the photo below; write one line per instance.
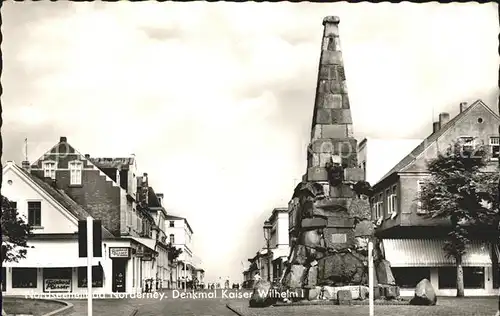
(75, 170)
(49, 169)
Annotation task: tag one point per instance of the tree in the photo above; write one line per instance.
(173, 252)
(15, 233)
(459, 189)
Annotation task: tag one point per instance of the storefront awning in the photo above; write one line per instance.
(148, 242)
(430, 253)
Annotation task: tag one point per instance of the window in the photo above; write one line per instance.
(392, 201)
(4, 275)
(468, 144)
(35, 213)
(97, 276)
(473, 277)
(420, 184)
(378, 206)
(49, 169)
(172, 239)
(75, 171)
(494, 147)
(57, 279)
(24, 278)
(408, 278)
(171, 224)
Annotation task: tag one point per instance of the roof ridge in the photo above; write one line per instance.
(433, 137)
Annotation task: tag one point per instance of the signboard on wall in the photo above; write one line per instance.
(57, 285)
(339, 238)
(148, 256)
(140, 251)
(119, 252)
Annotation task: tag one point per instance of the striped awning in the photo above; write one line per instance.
(430, 253)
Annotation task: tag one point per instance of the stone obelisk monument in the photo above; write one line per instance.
(329, 211)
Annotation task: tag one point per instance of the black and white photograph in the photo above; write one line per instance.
(250, 159)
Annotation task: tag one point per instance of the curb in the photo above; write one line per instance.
(66, 310)
(234, 310)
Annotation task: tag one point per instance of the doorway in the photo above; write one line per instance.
(119, 275)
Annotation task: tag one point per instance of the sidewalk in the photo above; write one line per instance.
(445, 307)
(104, 307)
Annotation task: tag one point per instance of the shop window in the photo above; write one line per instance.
(57, 279)
(97, 276)
(4, 283)
(408, 278)
(24, 278)
(473, 277)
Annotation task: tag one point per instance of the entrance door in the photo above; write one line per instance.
(119, 275)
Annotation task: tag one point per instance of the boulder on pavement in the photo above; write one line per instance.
(424, 294)
(314, 293)
(344, 297)
(260, 297)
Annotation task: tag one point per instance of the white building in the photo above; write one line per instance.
(378, 156)
(180, 235)
(53, 265)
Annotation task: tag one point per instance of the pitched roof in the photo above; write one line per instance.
(119, 163)
(62, 198)
(433, 137)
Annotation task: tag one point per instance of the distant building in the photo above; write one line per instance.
(414, 244)
(279, 242)
(180, 235)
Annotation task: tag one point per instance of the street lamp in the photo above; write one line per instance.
(267, 236)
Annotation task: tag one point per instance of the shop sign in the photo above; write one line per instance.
(139, 252)
(148, 255)
(119, 252)
(57, 285)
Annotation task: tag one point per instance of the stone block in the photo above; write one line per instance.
(331, 58)
(312, 277)
(323, 116)
(314, 223)
(350, 131)
(343, 147)
(314, 293)
(364, 228)
(360, 208)
(334, 44)
(317, 174)
(315, 162)
(299, 255)
(295, 278)
(331, 30)
(344, 85)
(391, 292)
(340, 222)
(258, 299)
(334, 131)
(331, 101)
(341, 116)
(339, 238)
(331, 87)
(424, 294)
(384, 273)
(354, 174)
(342, 190)
(350, 161)
(317, 131)
(345, 101)
(324, 158)
(341, 268)
(364, 292)
(344, 297)
(328, 72)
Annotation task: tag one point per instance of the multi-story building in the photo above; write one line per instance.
(105, 188)
(412, 242)
(53, 264)
(279, 241)
(180, 235)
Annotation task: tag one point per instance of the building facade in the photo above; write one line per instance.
(180, 235)
(414, 243)
(53, 264)
(279, 242)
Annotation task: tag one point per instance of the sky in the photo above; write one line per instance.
(216, 99)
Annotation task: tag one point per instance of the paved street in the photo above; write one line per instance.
(445, 307)
(169, 305)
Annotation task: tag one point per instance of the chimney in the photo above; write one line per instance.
(435, 127)
(160, 198)
(63, 139)
(143, 190)
(87, 156)
(25, 165)
(443, 119)
(463, 106)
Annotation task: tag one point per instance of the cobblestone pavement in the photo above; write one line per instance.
(191, 306)
(103, 307)
(445, 307)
